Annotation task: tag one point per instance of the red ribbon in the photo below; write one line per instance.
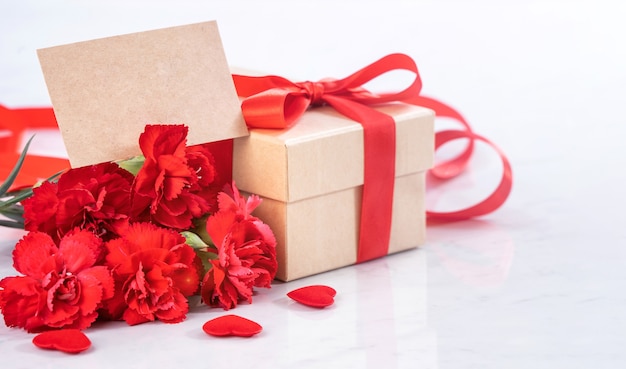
(275, 102)
(13, 124)
(455, 166)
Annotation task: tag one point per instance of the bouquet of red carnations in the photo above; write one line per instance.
(132, 240)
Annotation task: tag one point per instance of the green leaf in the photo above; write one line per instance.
(16, 199)
(19, 195)
(52, 177)
(10, 206)
(194, 240)
(14, 213)
(10, 224)
(133, 164)
(16, 169)
(199, 228)
(206, 257)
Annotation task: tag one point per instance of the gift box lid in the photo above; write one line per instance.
(105, 91)
(323, 153)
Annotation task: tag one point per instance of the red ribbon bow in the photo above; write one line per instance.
(275, 102)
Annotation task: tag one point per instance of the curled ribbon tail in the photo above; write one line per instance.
(455, 166)
(494, 200)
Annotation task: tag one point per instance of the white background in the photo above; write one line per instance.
(545, 80)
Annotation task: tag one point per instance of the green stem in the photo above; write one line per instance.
(10, 224)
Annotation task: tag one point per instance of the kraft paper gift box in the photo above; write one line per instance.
(310, 177)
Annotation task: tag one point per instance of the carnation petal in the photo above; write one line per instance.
(40, 209)
(132, 317)
(175, 313)
(82, 321)
(186, 280)
(92, 292)
(20, 301)
(60, 314)
(177, 175)
(173, 214)
(115, 306)
(102, 275)
(227, 203)
(32, 255)
(79, 250)
(148, 258)
(119, 250)
(202, 162)
(149, 236)
(266, 233)
(219, 225)
(158, 139)
(230, 295)
(73, 204)
(157, 284)
(181, 253)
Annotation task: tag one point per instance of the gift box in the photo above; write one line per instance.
(310, 177)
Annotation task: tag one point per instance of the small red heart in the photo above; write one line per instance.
(315, 296)
(71, 341)
(231, 325)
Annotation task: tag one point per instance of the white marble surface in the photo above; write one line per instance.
(538, 284)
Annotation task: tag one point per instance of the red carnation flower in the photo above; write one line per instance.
(61, 288)
(154, 271)
(246, 252)
(171, 189)
(95, 198)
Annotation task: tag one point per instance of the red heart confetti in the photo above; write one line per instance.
(71, 341)
(316, 296)
(231, 325)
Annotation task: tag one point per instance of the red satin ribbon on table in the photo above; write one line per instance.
(13, 124)
(275, 102)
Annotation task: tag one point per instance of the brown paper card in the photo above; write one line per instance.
(105, 91)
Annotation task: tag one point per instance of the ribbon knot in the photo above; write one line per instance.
(315, 91)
